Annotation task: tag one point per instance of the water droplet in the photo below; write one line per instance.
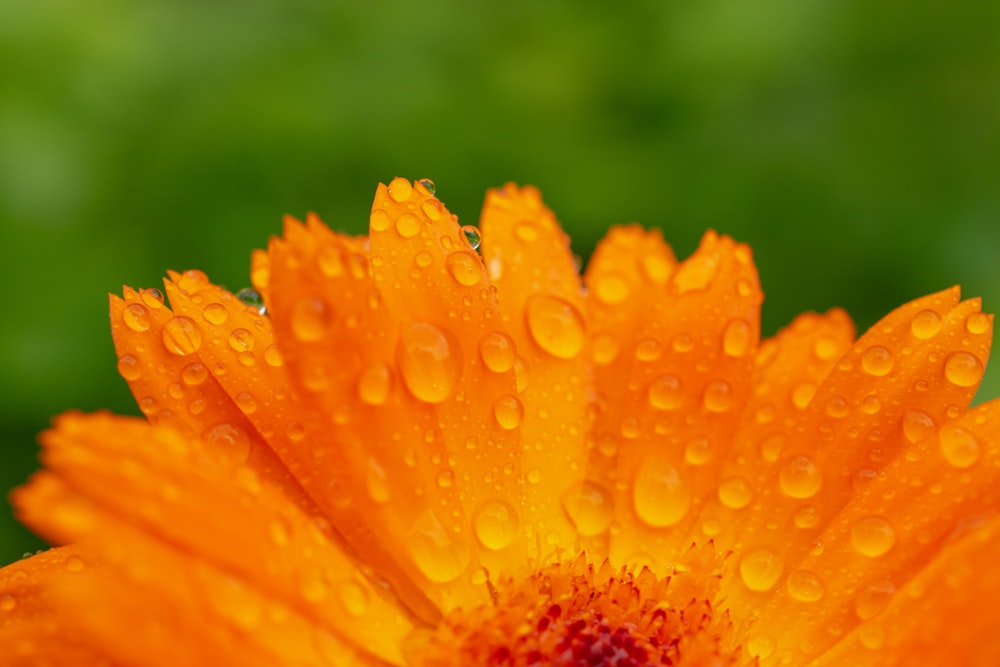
(152, 297)
(648, 349)
(508, 411)
(656, 268)
(497, 351)
(871, 404)
(181, 336)
(379, 220)
(439, 558)
(215, 313)
(760, 646)
(926, 324)
(400, 190)
(377, 482)
(977, 323)
(960, 448)
(696, 273)
(241, 340)
(520, 375)
(312, 584)
(604, 349)
(465, 268)
(877, 361)
(471, 234)
(872, 637)
(802, 394)
(446, 479)
(407, 225)
(296, 432)
(737, 338)
(129, 367)
(495, 524)
(428, 185)
(683, 343)
(805, 586)
(872, 536)
(665, 392)
(311, 317)
(873, 598)
(354, 597)
(430, 361)
(735, 493)
(698, 451)
(825, 349)
(718, 396)
(588, 505)
(246, 402)
(917, 425)
(555, 325)
(433, 209)
(963, 369)
(7, 602)
(659, 493)
(760, 569)
(800, 478)
(248, 296)
(374, 384)
(272, 356)
(806, 517)
(136, 317)
(232, 442)
(611, 289)
(771, 446)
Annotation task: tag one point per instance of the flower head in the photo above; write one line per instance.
(395, 449)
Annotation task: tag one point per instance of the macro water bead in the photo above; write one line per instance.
(441, 445)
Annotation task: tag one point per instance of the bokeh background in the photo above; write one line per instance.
(854, 144)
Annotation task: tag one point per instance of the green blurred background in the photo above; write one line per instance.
(855, 145)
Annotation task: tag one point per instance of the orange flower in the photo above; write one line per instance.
(421, 454)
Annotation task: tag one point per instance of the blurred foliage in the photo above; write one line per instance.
(854, 144)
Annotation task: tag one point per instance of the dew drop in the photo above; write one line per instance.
(648, 349)
(181, 336)
(136, 317)
(433, 209)
(698, 451)
(430, 361)
(871, 404)
(497, 351)
(737, 338)
(917, 425)
(963, 369)
(872, 637)
(665, 392)
(312, 584)
(272, 356)
(718, 396)
(735, 493)
(354, 598)
(838, 407)
(760, 569)
(872, 536)
(760, 646)
(374, 384)
(152, 297)
(926, 324)
(802, 394)
(377, 483)
(241, 340)
(7, 602)
(311, 316)
(495, 524)
(215, 313)
(656, 268)
(407, 225)
(427, 185)
(129, 367)
(446, 479)
(877, 361)
(248, 296)
(977, 323)
(805, 586)
(508, 411)
(555, 325)
(231, 441)
(439, 558)
(960, 447)
(611, 289)
(74, 564)
(246, 402)
(379, 220)
(800, 478)
(400, 190)
(659, 493)
(683, 343)
(588, 505)
(873, 598)
(604, 349)
(806, 517)
(465, 268)
(771, 446)
(471, 234)
(825, 349)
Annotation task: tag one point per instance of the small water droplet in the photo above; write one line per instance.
(760, 569)
(497, 351)
(838, 407)
(430, 362)
(246, 402)
(959, 446)
(241, 340)
(379, 220)
(428, 185)
(136, 317)
(508, 411)
(802, 394)
(439, 558)
(735, 493)
(248, 296)
(648, 349)
(74, 564)
(718, 396)
(760, 646)
(555, 325)
(129, 367)
(698, 451)
(737, 338)
(446, 479)
(800, 478)
(963, 369)
(407, 225)
(471, 234)
(400, 190)
(977, 323)
(7, 602)
(805, 586)
(917, 425)
(873, 598)
(771, 446)
(588, 505)
(311, 316)
(825, 349)
(605, 349)
(312, 584)
(354, 597)
(495, 524)
(611, 289)
(215, 313)
(272, 356)
(465, 267)
(806, 517)
(152, 297)
(374, 384)
(926, 324)
(877, 361)
(231, 441)
(181, 336)
(660, 495)
(871, 404)
(433, 209)
(872, 637)
(296, 432)
(683, 343)
(872, 536)
(665, 392)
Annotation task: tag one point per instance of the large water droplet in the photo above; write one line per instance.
(215, 313)
(311, 316)
(800, 478)
(960, 447)
(589, 506)
(659, 493)
(495, 524)
(374, 384)
(925, 324)
(735, 492)
(129, 367)
(805, 586)
(136, 317)
(471, 234)
(977, 323)
(917, 425)
(872, 536)
(877, 361)
(760, 569)
(497, 351)
(400, 190)
(182, 336)
(665, 392)
(508, 411)
(427, 185)
(465, 268)
(241, 340)
(248, 296)
(430, 361)
(407, 225)
(737, 338)
(718, 396)
(963, 369)
(555, 325)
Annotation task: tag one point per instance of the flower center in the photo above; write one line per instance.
(575, 614)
